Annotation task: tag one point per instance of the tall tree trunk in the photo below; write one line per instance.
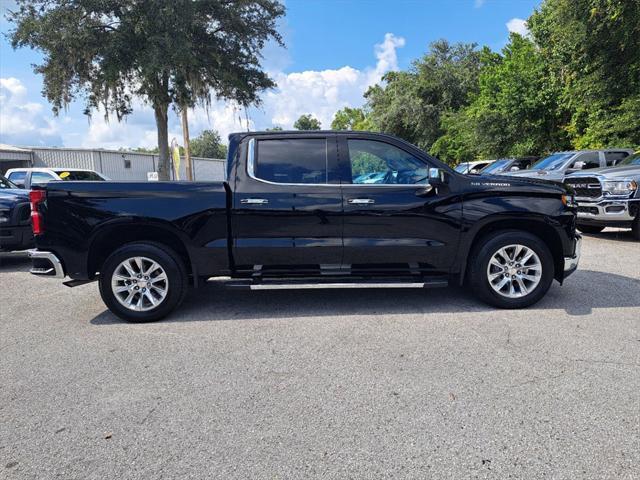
(162, 124)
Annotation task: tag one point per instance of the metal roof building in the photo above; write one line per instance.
(115, 164)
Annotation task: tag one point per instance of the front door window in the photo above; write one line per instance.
(374, 162)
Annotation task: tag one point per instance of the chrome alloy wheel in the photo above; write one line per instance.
(514, 271)
(140, 284)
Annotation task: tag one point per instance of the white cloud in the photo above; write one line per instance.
(323, 92)
(23, 122)
(518, 25)
(318, 92)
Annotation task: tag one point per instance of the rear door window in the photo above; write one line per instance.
(292, 161)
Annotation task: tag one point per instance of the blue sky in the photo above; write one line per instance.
(335, 50)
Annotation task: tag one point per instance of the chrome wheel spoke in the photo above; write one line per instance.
(514, 271)
(135, 287)
(521, 286)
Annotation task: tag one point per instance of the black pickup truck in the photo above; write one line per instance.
(328, 209)
(15, 214)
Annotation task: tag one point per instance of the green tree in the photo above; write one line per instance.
(276, 128)
(208, 145)
(593, 50)
(307, 122)
(410, 104)
(168, 52)
(350, 119)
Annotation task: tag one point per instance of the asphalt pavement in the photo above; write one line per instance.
(326, 383)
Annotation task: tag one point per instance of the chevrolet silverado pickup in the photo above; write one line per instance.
(298, 209)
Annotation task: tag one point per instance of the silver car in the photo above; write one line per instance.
(558, 165)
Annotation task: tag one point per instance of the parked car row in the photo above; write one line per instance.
(15, 218)
(605, 183)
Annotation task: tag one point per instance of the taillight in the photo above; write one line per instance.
(36, 197)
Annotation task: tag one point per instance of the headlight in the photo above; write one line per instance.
(619, 187)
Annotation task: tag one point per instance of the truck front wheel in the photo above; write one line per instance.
(512, 269)
(143, 281)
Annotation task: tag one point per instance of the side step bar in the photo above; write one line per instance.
(293, 284)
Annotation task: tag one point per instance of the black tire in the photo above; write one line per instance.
(169, 261)
(484, 251)
(590, 228)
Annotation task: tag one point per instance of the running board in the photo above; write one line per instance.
(292, 284)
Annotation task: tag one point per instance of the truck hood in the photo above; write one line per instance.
(627, 171)
(521, 183)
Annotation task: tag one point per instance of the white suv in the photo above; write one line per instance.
(28, 177)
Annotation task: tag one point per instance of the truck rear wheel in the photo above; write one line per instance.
(590, 228)
(143, 281)
(512, 269)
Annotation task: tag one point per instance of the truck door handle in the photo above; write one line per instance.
(361, 201)
(254, 201)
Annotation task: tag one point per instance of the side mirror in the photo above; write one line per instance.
(436, 179)
(514, 169)
(578, 165)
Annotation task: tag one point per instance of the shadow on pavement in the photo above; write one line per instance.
(582, 292)
(14, 262)
(615, 235)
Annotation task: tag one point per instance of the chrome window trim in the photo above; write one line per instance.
(251, 160)
(251, 165)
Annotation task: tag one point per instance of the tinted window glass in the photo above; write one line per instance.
(71, 175)
(292, 160)
(552, 162)
(18, 178)
(496, 167)
(589, 160)
(632, 160)
(38, 178)
(613, 158)
(4, 183)
(375, 162)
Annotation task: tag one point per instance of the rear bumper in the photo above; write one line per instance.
(571, 262)
(46, 264)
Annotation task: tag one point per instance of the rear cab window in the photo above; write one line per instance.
(70, 175)
(291, 161)
(41, 178)
(613, 158)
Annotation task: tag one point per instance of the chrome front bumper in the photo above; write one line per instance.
(46, 264)
(571, 263)
(606, 210)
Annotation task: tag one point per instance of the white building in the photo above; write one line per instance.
(117, 165)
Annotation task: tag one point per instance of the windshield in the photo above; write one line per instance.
(552, 162)
(79, 175)
(496, 166)
(632, 160)
(4, 183)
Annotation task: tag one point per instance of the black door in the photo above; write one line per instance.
(393, 220)
(287, 205)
